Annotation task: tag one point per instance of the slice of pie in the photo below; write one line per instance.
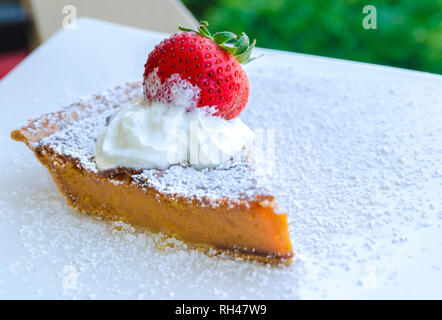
(225, 208)
(169, 154)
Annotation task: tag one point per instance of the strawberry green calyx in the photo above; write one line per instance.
(238, 46)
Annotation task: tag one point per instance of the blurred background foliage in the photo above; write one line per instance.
(408, 34)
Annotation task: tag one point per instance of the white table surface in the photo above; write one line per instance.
(396, 251)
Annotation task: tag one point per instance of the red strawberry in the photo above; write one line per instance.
(211, 63)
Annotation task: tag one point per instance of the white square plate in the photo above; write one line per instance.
(359, 170)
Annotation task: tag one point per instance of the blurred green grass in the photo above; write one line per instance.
(408, 34)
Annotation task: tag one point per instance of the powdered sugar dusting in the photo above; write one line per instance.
(356, 159)
(175, 89)
(232, 181)
(77, 135)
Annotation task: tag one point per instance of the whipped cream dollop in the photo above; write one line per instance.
(143, 135)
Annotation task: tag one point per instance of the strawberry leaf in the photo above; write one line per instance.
(223, 37)
(242, 44)
(240, 47)
(244, 57)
